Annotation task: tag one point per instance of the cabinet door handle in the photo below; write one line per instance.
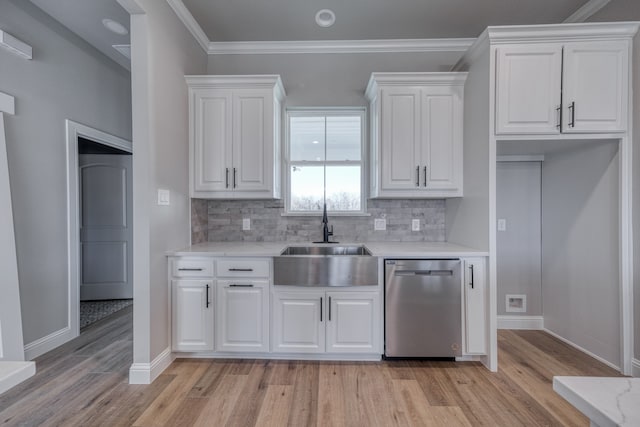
(417, 176)
(321, 309)
(425, 176)
(189, 269)
(471, 268)
(241, 269)
(236, 285)
(559, 110)
(208, 296)
(572, 107)
(234, 177)
(329, 309)
(226, 178)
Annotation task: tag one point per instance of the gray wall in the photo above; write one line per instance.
(268, 225)
(580, 247)
(629, 10)
(67, 79)
(518, 248)
(163, 52)
(329, 79)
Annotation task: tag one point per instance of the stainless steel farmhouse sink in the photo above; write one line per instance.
(325, 266)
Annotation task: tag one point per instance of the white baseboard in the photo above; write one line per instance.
(48, 343)
(146, 373)
(13, 373)
(521, 322)
(585, 351)
(635, 367)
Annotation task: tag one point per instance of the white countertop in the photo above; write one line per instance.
(606, 401)
(380, 249)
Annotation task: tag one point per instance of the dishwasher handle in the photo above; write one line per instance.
(423, 273)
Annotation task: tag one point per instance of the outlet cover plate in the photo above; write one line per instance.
(415, 225)
(164, 197)
(380, 224)
(246, 224)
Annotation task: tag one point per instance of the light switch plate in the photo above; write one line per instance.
(502, 224)
(415, 225)
(380, 224)
(246, 224)
(164, 197)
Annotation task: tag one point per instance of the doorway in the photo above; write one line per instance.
(100, 224)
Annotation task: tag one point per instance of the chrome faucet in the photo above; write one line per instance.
(326, 233)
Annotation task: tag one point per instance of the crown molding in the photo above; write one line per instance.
(587, 11)
(190, 22)
(413, 79)
(562, 32)
(339, 46)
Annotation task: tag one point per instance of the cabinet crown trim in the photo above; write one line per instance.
(413, 79)
(267, 81)
(561, 32)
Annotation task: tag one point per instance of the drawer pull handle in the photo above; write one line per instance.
(241, 269)
(208, 302)
(190, 269)
(471, 268)
(241, 286)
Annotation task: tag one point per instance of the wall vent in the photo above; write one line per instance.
(516, 303)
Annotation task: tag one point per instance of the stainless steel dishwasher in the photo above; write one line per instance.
(422, 308)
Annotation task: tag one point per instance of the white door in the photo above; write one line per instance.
(106, 233)
(242, 319)
(475, 306)
(213, 132)
(192, 315)
(353, 322)
(400, 138)
(595, 75)
(252, 139)
(528, 92)
(442, 138)
(298, 322)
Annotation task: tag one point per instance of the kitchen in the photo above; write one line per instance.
(166, 231)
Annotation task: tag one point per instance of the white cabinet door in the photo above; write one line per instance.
(298, 322)
(400, 138)
(242, 319)
(192, 315)
(211, 151)
(442, 138)
(528, 91)
(475, 306)
(252, 139)
(595, 79)
(353, 322)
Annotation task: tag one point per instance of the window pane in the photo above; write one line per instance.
(307, 138)
(343, 188)
(307, 188)
(343, 137)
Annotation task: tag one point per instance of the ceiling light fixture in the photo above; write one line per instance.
(115, 27)
(325, 18)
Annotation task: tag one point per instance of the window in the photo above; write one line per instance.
(324, 161)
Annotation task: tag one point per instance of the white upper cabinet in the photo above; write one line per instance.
(416, 134)
(562, 87)
(235, 136)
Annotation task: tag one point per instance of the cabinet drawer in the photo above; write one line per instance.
(230, 267)
(187, 267)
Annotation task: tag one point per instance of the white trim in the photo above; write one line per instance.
(577, 347)
(521, 322)
(366, 357)
(73, 131)
(15, 45)
(340, 46)
(636, 368)
(146, 373)
(521, 158)
(7, 104)
(48, 343)
(589, 9)
(13, 373)
(561, 32)
(189, 21)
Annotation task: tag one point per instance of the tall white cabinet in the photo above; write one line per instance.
(235, 136)
(416, 134)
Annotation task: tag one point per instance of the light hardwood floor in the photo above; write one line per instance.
(84, 383)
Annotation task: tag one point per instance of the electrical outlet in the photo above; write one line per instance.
(502, 224)
(246, 224)
(415, 225)
(164, 197)
(380, 224)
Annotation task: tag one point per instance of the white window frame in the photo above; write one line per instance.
(327, 112)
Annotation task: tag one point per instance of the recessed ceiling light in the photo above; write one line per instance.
(315, 142)
(115, 27)
(325, 18)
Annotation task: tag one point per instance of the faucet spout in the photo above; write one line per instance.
(326, 232)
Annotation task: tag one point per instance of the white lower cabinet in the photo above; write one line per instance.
(326, 322)
(242, 318)
(192, 319)
(475, 306)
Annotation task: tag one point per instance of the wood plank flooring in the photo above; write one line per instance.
(84, 383)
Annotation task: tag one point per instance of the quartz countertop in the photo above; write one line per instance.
(605, 401)
(380, 249)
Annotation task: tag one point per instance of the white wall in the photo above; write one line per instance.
(329, 79)
(580, 247)
(67, 79)
(518, 198)
(163, 53)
